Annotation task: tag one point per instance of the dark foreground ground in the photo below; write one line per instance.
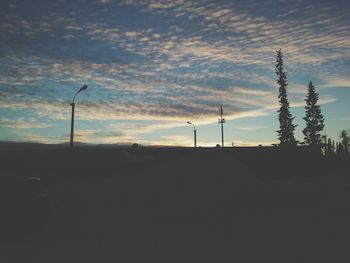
(173, 205)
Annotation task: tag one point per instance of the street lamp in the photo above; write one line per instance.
(72, 119)
(194, 133)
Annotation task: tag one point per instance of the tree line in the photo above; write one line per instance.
(314, 119)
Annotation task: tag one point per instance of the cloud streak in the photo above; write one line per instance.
(165, 60)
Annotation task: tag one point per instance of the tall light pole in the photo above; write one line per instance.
(194, 133)
(72, 119)
(222, 121)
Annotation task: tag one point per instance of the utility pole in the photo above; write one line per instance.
(222, 121)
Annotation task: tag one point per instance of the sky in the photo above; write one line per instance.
(153, 65)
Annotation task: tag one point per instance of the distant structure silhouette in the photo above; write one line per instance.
(222, 121)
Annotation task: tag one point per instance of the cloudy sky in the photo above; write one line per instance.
(153, 65)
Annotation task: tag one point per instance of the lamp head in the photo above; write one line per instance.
(83, 88)
(189, 123)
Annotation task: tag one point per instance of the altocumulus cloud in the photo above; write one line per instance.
(166, 61)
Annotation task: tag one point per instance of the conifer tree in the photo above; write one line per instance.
(286, 131)
(340, 149)
(329, 149)
(313, 118)
(345, 141)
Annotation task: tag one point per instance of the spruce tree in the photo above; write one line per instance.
(329, 149)
(313, 118)
(345, 141)
(286, 131)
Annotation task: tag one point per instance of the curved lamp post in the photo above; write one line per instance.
(194, 133)
(72, 119)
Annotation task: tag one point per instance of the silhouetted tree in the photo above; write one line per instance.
(329, 148)
(345, 140)
(286, 131)
(314, 119)
(324, 144)
(339, 149)
(135, 146)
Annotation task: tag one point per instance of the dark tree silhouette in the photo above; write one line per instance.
(345, 141)
(286, 131)
(339, 149)
(330, 148)
(313, 118)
